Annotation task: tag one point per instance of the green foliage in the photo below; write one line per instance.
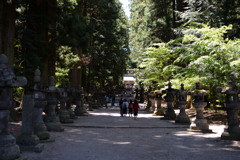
(203, 55)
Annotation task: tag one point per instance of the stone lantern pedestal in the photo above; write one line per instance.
(200, 123)
(9, 150)
(152, 102)
(79, 100)
(69, 102)
(232, 132)
(232, 106)
(90, 102)
(169, 98)
(52, 120)
(28, 141)
(63, 112)
(158, 109)
(182, 117)
(40, 102)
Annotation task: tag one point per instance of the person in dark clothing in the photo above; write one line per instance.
(124, 107)
(130, 108)
(135, 109)
(120, 106)
(113, 101)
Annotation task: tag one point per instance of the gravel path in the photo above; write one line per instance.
(104, 135)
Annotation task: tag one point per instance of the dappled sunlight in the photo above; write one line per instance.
(157, 136)
(216, 132)
(115, 112)
(104, 131)
(105, 114)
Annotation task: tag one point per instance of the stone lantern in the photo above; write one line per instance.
(182, 117)
(136, 93)
(199, 103)
(40, 102)
(9, 150)
(90, 101)
(70, 97)
(52, 120)
(169, 98)
(232, 105)
(63, 112)
(141, 93)
(157, 100)
(79, 100)
(151, 97)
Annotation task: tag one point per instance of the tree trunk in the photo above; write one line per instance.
(7, 29)
(49, 68)
(174, 13)
(1, 27)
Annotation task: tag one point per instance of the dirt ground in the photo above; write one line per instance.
(104, 135)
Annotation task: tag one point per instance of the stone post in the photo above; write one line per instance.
(90, 102)
(69, 102)
(152, 101)
(63, 112)
(200, 123)
(142, 94)
(9, 150)
(136, 93)
(52, 120)
(169, 98)
(232, 106)
(182, 117)
(79, 100)
(158, 109)
(28, 141)
(38, 91)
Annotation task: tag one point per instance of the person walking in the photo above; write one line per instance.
(106, 101)
(113, 100)
(135, 109)
(120, 106)
(130, 108)
(124, 107)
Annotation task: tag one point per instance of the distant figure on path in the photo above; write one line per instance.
(106, 101)
(124, 107)
(113, 101)
(135, 108)
(130, 108)
(120, 106)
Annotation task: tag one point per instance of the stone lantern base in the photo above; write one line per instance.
(232, 133)
(72, 114)
(182, 118)
(200, 125)
(169, 114)
(158, 112)
(41, 131)
(80, 111)
(54, 126)
(29, 142)
(9, 150)
(64, 116)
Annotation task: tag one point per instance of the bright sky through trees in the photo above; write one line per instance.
(126, 7)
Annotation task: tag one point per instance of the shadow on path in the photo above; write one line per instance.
(104, 135)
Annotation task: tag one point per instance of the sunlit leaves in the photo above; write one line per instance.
(204, 55)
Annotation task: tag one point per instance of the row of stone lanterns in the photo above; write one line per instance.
(232, 106)
(35, 128)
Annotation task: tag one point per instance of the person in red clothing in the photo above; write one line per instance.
(135, 109)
